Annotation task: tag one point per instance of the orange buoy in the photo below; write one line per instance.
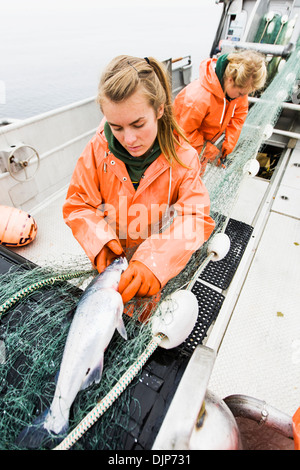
(17, 227)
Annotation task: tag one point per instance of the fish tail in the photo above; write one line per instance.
(38, 436)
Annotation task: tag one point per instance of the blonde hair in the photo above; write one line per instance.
(124, 75)
(247, 68)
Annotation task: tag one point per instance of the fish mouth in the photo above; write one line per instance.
(120, 259)
(123, 258)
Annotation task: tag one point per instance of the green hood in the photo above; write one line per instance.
(221, 65)
(136, 166)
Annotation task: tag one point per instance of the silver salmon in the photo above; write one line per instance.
(98, 315)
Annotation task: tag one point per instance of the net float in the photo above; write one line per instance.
(17, 227)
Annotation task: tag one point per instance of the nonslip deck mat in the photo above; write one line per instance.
(220, 273)
(209, 303)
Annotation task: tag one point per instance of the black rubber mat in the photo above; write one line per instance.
(220, 273)
(9, 260)
(209, 303)
(148, 398)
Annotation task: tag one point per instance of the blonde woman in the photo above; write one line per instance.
(136, 173)
(217, 102)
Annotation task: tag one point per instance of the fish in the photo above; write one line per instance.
(97, 316)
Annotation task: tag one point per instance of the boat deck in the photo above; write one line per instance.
(262, 343)
(54, 240)
(259, 354)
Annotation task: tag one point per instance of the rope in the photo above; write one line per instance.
(109, 399)
(33, 287)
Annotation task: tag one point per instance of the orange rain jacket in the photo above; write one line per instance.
(102, 205)
(204, 113)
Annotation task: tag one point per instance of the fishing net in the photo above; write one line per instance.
(33, 332)
(38, 304)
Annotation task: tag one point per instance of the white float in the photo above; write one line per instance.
(251, 167)
(219, 245)
(268, 131)
(175, 317)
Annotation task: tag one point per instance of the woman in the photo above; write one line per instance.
(134, 172)
(217, 102)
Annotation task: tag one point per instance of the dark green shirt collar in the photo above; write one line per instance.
(221, 65)
(136, 166)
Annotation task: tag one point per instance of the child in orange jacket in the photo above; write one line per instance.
(217, 102)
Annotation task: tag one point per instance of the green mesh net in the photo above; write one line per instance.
(33, 333)
(36, 306)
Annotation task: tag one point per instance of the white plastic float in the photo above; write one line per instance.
(218, 246)
(175, 318)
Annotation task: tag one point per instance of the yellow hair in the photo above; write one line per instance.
(247, 68)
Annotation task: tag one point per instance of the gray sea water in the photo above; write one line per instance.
(52, 52)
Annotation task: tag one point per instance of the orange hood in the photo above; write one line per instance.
(203, 112)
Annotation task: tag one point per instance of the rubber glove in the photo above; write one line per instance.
(209, 152)
(108, 254)
(138, 280)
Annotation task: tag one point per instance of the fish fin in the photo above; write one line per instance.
(121, 328)
(36, 435)
(93, 375)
